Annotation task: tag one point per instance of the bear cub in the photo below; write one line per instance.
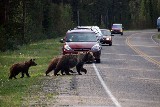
(22, 67)
(74, 60)
(52, 65)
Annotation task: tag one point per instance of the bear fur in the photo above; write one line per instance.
(74, 60)
(22, 67)
(52, 65)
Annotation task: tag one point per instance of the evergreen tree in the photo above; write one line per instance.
(24, 21)
(142, 14)
(158, 8)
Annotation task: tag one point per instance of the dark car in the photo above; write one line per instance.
(117, 29)
(81, 41)
(107, 37)
(158, 24)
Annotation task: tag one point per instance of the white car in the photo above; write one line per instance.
(96, 29)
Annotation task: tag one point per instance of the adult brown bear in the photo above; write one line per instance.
(74, 60)
(22, 67)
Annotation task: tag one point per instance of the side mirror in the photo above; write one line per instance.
(61, 40)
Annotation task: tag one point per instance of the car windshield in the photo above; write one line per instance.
(81, 37)
(117, 26)
(106, 32)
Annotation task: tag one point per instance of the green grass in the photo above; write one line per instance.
(13, 91)
(159, 36)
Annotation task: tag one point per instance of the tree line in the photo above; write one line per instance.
(26, 21)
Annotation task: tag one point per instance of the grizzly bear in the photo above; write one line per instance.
(52, 65)
(22, 67)
(74, 60)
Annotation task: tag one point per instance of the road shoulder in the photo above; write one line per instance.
(156, 38)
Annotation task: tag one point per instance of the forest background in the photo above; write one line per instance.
(26, 21)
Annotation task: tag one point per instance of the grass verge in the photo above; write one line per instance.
(159, 36)
(13, 91)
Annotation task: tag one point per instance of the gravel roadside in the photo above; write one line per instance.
(68, 91)
(156, 39)
(46, 94)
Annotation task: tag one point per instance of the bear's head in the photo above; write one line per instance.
(31, 62)
(89, 57)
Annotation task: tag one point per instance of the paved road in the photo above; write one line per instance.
(128, 76)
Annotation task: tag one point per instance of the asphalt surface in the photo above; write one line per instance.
(128, 76)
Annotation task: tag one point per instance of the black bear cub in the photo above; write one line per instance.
(22, 67)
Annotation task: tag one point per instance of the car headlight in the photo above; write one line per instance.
(66, 47)
(96, 47)
(107, 38)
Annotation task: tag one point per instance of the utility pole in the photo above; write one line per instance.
(24, 19)
(78, 17)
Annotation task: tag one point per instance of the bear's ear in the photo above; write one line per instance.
(88, 52)
(26, 62)
(32, 60)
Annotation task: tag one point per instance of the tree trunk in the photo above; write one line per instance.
(4, 12)
(24, 18)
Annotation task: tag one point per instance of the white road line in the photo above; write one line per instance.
(106, 88)
(154, 40)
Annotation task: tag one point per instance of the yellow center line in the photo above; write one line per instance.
(144, 55)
